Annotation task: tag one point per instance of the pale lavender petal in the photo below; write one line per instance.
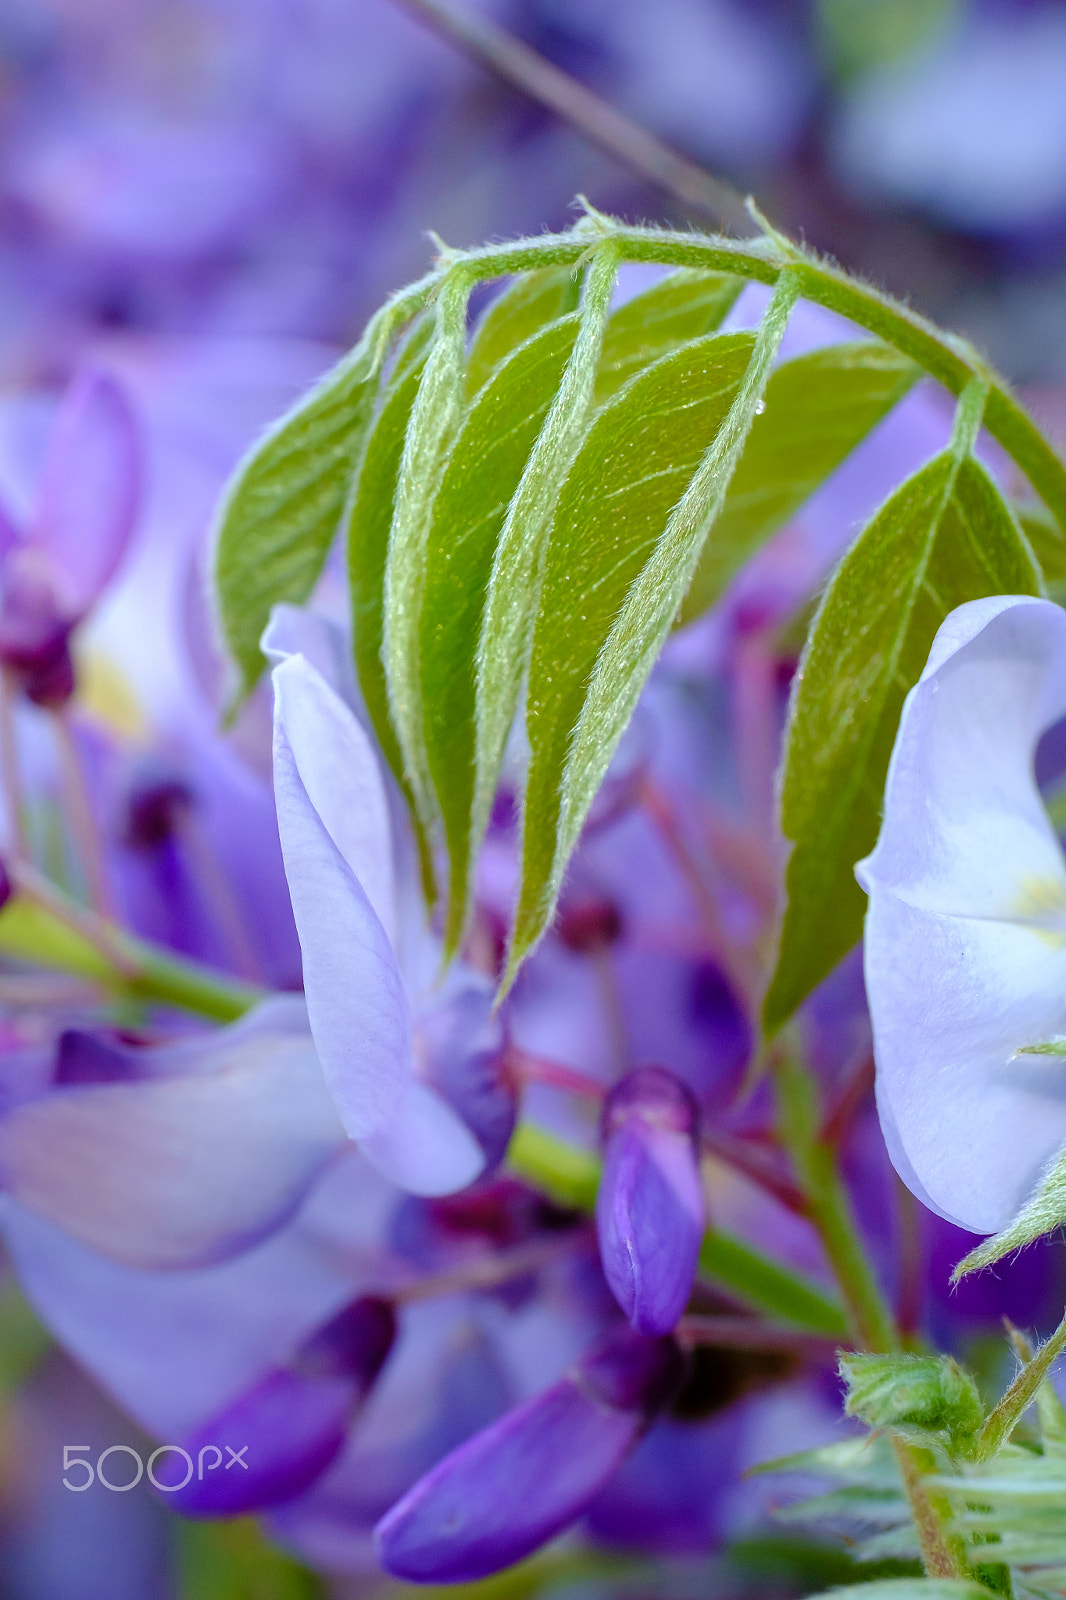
(425, 1147)
(300, 631)
(356, 1000)
(519, 1482)
(966, 927)
(177, 1347)
(90, 490)
(181, 1171)
(341, 775)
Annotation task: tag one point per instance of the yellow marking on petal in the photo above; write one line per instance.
(106, 694)
(1041, 905)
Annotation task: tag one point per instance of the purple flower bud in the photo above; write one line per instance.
(650, 1210)
(7, 888)
(275, 1439)
(589, 923)
(518, 1482)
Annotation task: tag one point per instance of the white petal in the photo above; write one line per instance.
(181, 1171)
(340, 773)
(426, 1147)
(356, 999)
(966, 929)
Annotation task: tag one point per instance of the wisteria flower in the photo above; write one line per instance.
(336, 839)
(966, 927)
(55, 568)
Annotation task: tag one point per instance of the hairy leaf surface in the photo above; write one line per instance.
(640, 456)
(515, 315)
(819, 407)
(683, 306)
(368, 517)
(481, 478)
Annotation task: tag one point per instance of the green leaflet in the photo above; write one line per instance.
(515, 315)
(911, 1589)
(683, 306)
(481, 478)
(431, 430)
(619, 563)
(283, 505)
(1047, 544)
(944, 537)
(1042, 1213)
(819, 407)
(514, 585)
(368, 518)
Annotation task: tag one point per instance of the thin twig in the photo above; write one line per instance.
(750, 1333)
(10, 770)
(81, 815)
(629, 144)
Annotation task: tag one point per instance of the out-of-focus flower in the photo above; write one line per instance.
(53, 571)
(336, 839)
(966, 927)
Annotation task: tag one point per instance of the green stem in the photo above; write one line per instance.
(40, 925)
(830, 1211)
(945, 357)
(571, 1177)
(1023, 1391)
(829, 1207)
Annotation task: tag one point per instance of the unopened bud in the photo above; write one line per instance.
(930, 1393)
(650, 1208)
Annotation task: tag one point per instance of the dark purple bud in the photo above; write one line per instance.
(650, 1209)
(157, 804)
(34, 634)
(589, 923)
(7, 888)
(520, 1481)
(277, 1438)
(464, 1051)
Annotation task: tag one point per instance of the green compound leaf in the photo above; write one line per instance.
(944, 537)
(628, 531)
(368, 518)
(514, 586)
(283, 505)
(434, 422)
(481, 478)
(819, 407)
(684, 306)
(515, 315)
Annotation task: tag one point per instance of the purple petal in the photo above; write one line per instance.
(650, 1208)
(90, 490)
(340, 772)
(519, 1482)
(356, 999)
(177, 1171)
(278, 1437)
(177, 1347)
(464, 1050)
